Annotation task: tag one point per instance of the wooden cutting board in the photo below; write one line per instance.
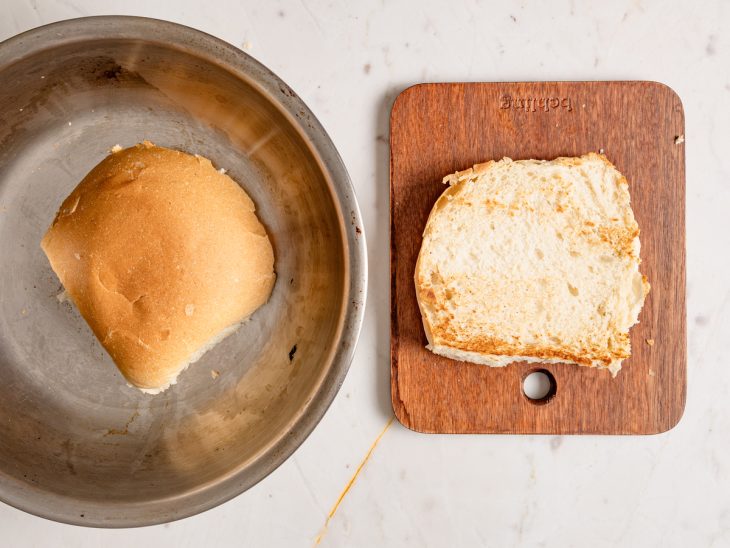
(437, 129)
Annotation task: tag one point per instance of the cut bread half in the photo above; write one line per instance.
(533, 261)
(163, 255)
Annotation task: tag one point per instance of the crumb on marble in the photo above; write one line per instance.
(214, 374)
(116, 148)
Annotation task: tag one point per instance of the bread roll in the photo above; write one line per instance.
(163, 256)
(532, 261)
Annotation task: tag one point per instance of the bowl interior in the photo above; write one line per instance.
(72, 432)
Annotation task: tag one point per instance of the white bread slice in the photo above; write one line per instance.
(533, 261)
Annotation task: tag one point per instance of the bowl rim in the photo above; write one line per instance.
(32, 498)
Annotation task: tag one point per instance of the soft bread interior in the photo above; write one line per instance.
(532, 261)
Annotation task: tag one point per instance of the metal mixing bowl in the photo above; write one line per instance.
(76, 443)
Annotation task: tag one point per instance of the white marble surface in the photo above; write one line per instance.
(348, 63)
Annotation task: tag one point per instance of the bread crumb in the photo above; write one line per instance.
(62, 297)
(69, 123)
(143, 344)
(679, 139)
(601, 151)
(651, 373)
(247, 44)
(222, 171)
(77, 256)
(650, 342)
(116, 148)
(189, 309)
(24, 312)
(214, 374)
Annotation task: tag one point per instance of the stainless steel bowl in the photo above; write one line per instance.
(76, 443)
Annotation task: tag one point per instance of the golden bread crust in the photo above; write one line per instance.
(160, 252)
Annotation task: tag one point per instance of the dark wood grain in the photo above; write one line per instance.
(437, 129)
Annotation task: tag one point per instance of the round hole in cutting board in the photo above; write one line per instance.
(539, 386)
